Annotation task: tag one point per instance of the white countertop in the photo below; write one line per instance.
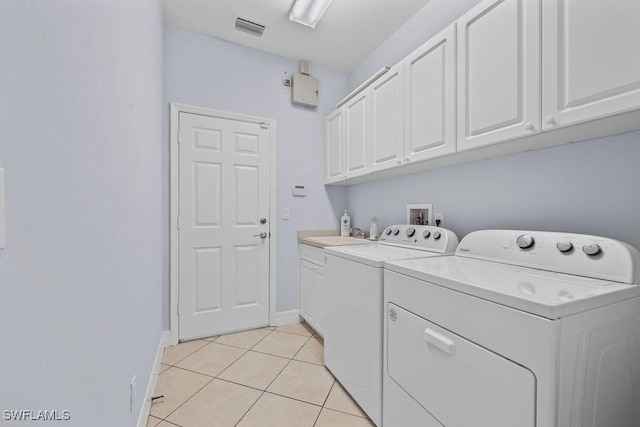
(324, 238)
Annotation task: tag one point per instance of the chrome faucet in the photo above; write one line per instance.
(357, 233)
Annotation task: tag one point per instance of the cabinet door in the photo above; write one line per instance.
(498, 72)
(387, 119)
(356, 122)
(591, 63)
(430, 92)
(334, 146)
(320, 291)
(307, 291)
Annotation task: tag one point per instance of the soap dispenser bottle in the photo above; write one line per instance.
(345, 224)
(373, 228)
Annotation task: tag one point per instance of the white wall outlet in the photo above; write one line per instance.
(285, 213)
(439, 219)
(2, 228)
(132, 389)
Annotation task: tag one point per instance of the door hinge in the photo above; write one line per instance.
(178, 223)
(178, 137)
(263, 125)
(178, 308)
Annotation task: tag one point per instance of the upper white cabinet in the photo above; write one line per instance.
(346, 146)
(591, 60)
(430, 98)
(498, 72)
(334, 146)
(386, 97)
(499, 80)
(356, 134)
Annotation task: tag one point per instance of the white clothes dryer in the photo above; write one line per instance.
(354, 308)
(518, 329)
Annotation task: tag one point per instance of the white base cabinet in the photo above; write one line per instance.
(312, 287)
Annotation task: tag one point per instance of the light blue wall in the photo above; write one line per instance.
(587, 187)
(209, 72)
(80, 141)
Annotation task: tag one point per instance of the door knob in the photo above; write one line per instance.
(262, 235)
(263, 220)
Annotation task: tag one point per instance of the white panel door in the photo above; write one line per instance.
(498, 72)
(387, 119)
(356, 134)
(223, 196)
(334, 146)
(591, 62)
(430, 97)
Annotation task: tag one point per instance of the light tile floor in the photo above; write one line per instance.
(263, 377)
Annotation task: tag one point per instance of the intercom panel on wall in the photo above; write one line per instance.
(304, 90)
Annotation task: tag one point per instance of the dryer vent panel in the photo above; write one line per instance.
(304, 90)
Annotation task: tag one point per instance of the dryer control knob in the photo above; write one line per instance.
(411, 231)
(591, 249)
(396, 231)
(436, 235)
(426, 234)
(564, 246)
(388, 231)
(524, 241)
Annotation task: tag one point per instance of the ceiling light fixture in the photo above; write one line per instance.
(308, 12)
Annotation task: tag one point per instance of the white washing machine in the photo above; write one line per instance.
(354, 308)
(518, 329)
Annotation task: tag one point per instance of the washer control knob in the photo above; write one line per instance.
(388, 231)
(436, 235)
(426, 234)
(411, 231)
(524, 241)
(564, 246)
(396, 231)
(591, 249)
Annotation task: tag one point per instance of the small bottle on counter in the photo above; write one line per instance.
(345, 224)
(373, 228)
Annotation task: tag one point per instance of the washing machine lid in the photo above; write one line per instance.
(376, 255)
(544, 293)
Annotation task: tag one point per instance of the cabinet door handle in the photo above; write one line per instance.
(528, 126)
(439, 341)
(550, 120)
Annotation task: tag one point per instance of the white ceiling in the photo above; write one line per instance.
(347, 33)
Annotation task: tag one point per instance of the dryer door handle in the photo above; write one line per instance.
(439, 341)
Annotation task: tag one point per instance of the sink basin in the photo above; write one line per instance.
(337, 241)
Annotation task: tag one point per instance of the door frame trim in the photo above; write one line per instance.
(176, 109)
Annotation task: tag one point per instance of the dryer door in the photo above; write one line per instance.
(460, 383)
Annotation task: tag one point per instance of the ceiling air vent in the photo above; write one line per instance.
(249, 27)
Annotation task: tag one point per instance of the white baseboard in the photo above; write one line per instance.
(285, 318)
(165, 340)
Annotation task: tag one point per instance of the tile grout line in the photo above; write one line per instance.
(263, 391)
(189, 398)
(245, 351)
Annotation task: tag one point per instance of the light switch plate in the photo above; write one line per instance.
(2, 208)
